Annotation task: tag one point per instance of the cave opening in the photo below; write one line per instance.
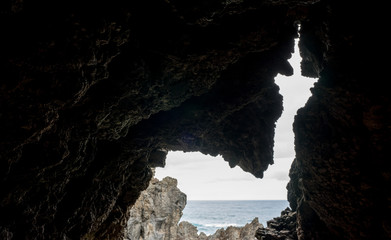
(212, 186)
(93, 94)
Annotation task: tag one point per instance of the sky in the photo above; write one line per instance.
(203, 177)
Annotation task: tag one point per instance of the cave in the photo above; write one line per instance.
(94, 94)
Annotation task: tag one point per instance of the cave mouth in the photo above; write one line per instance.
(219, 196)
(205, 178)
(295, 90)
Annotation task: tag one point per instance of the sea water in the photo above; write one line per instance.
(209, 216)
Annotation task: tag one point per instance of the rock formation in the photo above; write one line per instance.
(94, 93)
(237, 233)
(341, 175)
(156, 214)
(187, 231)
(280, 228)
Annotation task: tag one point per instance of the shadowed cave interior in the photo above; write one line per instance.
(92, 94)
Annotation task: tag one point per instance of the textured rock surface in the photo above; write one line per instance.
(280, 228)
(92, 94)
(341, 178)
(187, 231)
(156, 214)
(237, 233)
(157, 211)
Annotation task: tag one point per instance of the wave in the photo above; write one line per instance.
(221, 225)
(209, 216)
(211, 228)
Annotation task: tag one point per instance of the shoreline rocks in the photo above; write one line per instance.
(157, 212)
(187, 231)
(279, 228)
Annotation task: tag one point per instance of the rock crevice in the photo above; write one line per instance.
(340, 177)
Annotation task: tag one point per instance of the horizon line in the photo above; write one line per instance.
(237, 200)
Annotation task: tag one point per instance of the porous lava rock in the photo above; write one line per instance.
(341, 177)
(94, 93)
(279, 228)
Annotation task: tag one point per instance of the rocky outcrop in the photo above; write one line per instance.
(189, 232)
(237, 233)
(156, 213)
(280, 228)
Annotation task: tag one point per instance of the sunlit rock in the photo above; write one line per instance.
(156, 213)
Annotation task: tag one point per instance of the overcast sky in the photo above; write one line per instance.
(203, 177)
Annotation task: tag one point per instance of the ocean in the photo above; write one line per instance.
(209, 216)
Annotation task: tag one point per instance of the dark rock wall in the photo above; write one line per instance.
(93, 94)
(279, 228)
(340, 180)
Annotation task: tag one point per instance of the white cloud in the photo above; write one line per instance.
(211, 178)
(281, 176)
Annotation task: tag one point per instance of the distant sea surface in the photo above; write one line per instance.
(209, 216)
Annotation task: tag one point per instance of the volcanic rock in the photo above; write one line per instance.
(187, 231)
(156, 213)
(94, 93)
(237, 233)
(279, 228)
(341, 175)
